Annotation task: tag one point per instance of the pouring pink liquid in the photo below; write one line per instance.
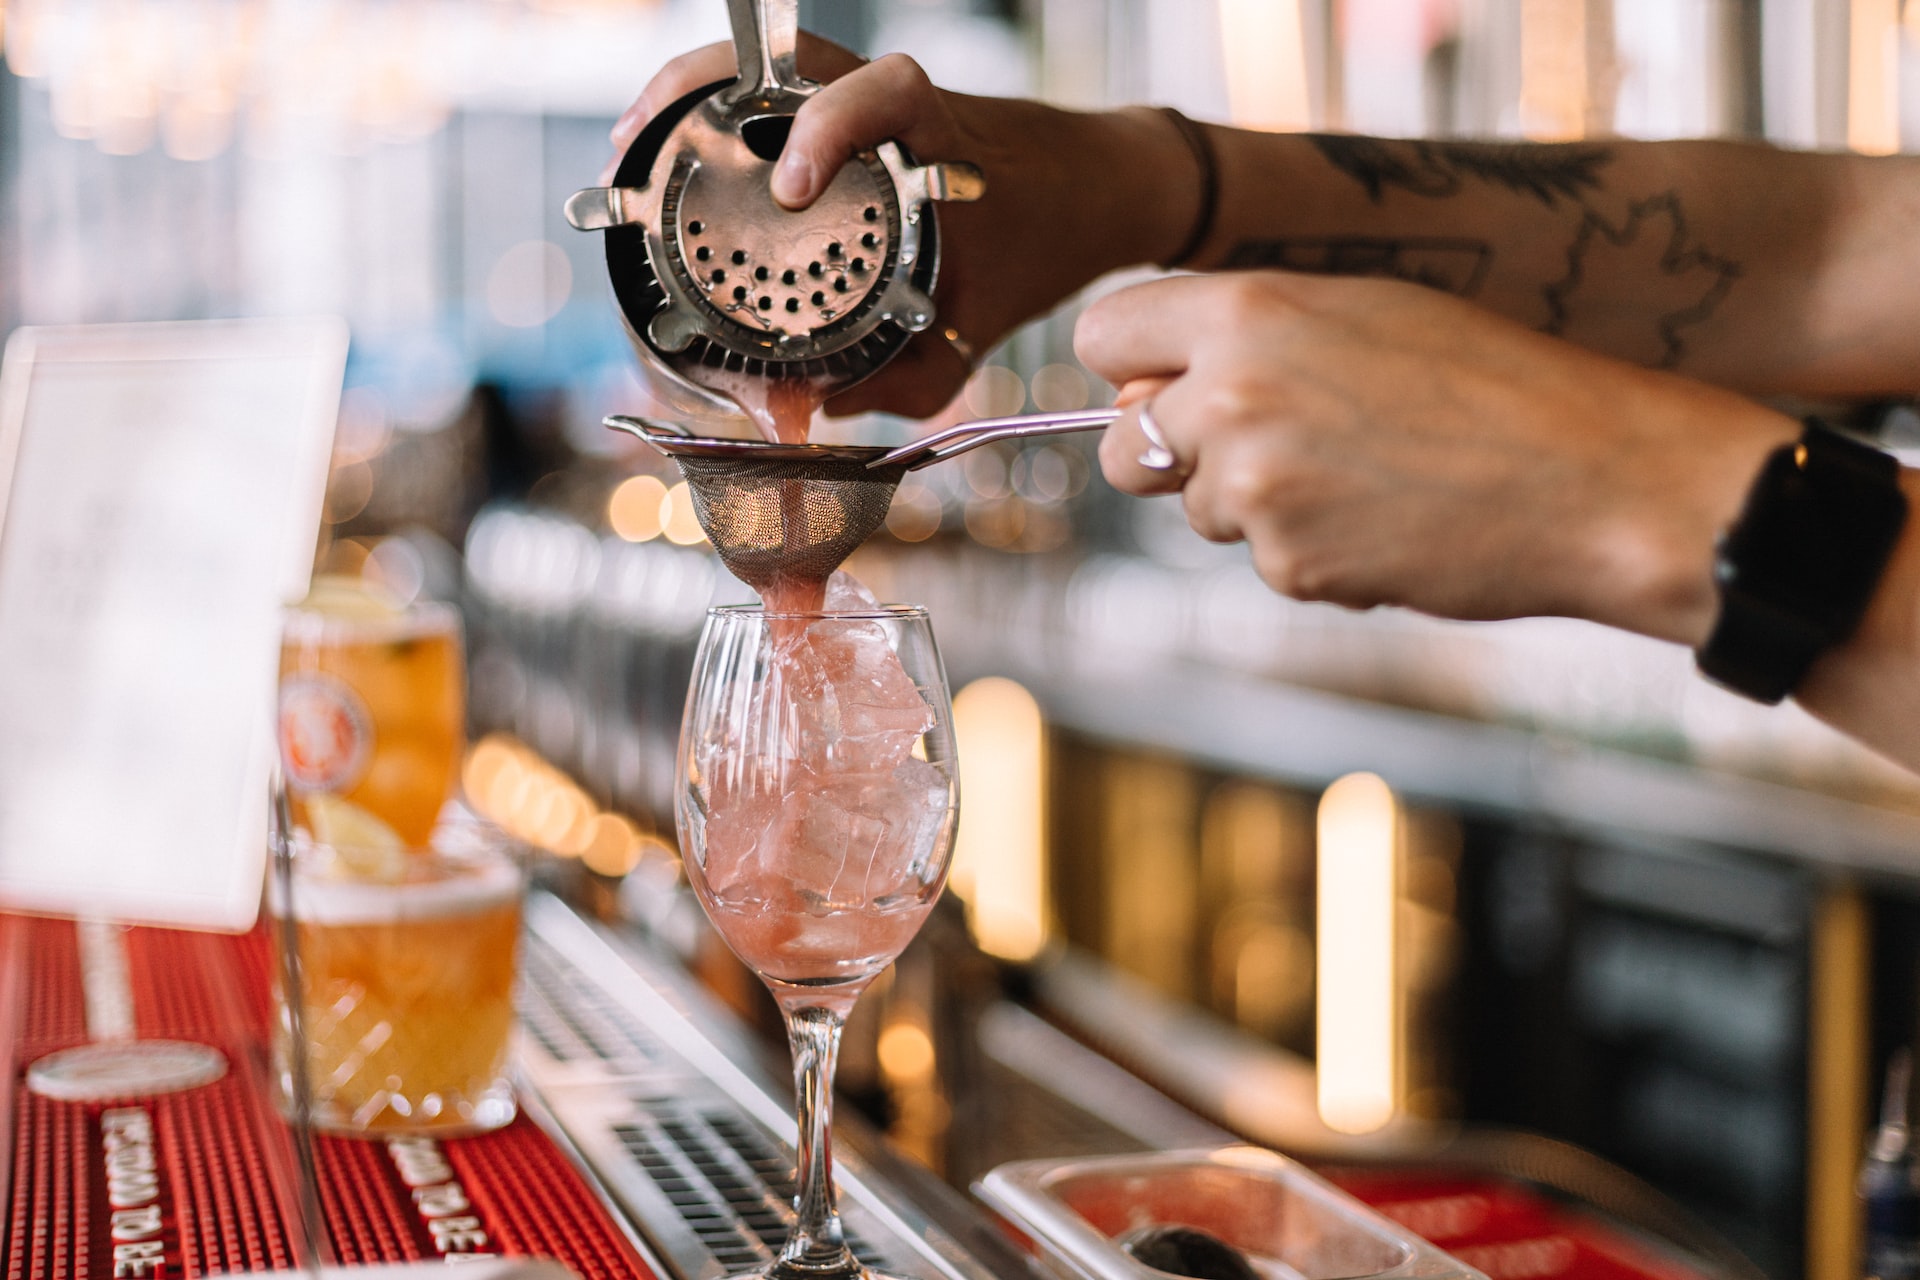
(812, 859)
(783, 409)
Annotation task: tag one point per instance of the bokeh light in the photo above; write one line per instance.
(637, 509)
(509, 784)
(349, 489)
(916, 512)
(996, 522)
(995, 392)
(613, 845)
(986, 473)
(906, 1052)
(1043, 474)
(678, 520)
(529, 284)
(1060, 388)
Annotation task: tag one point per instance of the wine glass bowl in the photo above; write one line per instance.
(817, 794)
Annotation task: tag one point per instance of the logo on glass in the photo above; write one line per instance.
(326, 733)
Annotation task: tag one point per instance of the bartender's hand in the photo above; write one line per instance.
(1069, 197)
(1378, 443)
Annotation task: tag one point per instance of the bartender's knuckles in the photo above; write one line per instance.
(1266, 303)
(1301, 568)
(1254, 484)
(1208, 520)
(820, 60)
(683, 74)
(885, 98)
(902, 75)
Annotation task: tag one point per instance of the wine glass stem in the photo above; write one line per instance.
(816, 1245)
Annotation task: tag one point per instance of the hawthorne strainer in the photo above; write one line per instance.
(717, 282)
(796, 512)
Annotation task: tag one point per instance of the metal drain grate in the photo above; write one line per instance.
(575, 1021)
(730, 1185)
(695, 1148)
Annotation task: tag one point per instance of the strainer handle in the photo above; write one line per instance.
(971, 435)
(764, 35)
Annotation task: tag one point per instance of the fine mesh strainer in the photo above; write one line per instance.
(718, 283)
(794, 513)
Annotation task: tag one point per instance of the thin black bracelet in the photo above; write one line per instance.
(1202, 147)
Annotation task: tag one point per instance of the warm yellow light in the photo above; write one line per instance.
(349, 489)
(508, 792)
(613, 846)
(915, 513)
(635, 509)
(347, 557)
(569, 825)
(511, 786)
(27, 39)
(1357, 1034)
(1060, 388)
(486, 761)
(906, 1052)
(1554, 98)
(995, 391)
(1000, 858)
(1873, 80)
(197, 125)
(677, 517)
(1266, 62)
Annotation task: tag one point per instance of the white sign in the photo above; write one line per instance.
(160, 497)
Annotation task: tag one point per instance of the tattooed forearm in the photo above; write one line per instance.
(1651, 250)
(1452, 266)
(1686, 283)
(1546, 171)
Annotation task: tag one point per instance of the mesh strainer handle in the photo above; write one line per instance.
(971, 435)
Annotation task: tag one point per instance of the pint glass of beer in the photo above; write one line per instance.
(405, 984)
(372, 714)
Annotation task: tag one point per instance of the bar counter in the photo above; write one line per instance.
(652, 1140)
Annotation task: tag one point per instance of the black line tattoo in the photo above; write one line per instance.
(1654, 238)
(1546, 171)
(1454, 266)
(1691, 266)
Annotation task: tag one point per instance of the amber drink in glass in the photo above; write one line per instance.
(372, 715)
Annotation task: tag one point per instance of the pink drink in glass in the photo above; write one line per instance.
(817, 801)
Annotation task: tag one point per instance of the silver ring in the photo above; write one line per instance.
(960, 345)
(1159, 454)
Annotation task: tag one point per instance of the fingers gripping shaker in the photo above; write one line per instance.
(717, 282)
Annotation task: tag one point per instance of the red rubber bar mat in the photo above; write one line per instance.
(1508, 1231)
(199, 1183)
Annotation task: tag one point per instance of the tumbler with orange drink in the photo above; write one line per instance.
(405, 913)
(406, 989)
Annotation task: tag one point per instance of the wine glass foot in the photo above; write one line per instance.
(847, 1269)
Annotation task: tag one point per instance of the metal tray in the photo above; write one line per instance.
(1291, 1224)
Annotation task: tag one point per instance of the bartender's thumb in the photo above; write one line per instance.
(885, 99)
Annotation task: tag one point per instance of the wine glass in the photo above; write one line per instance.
(817, 792)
